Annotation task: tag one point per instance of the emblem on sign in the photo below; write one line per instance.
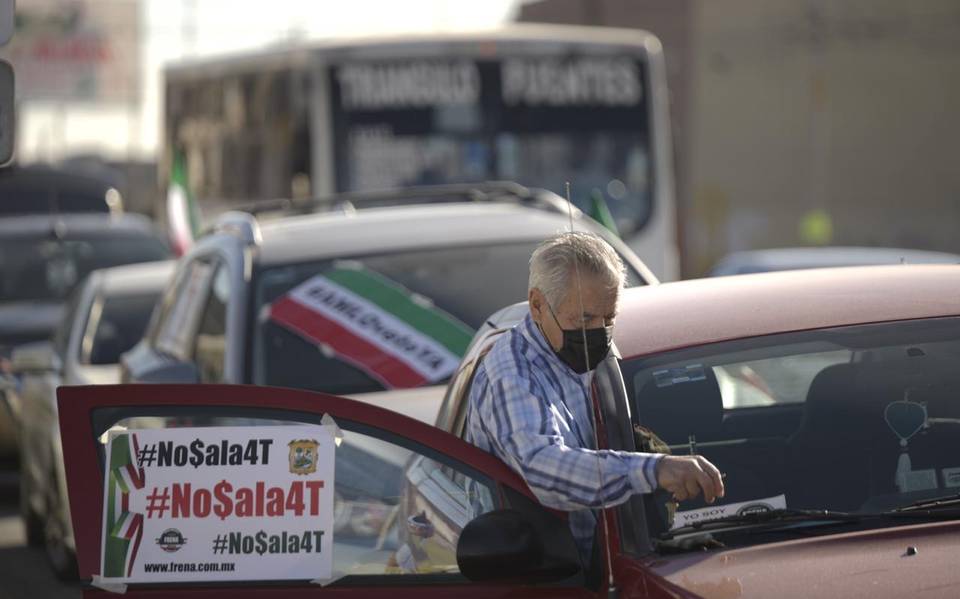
(303, 456)
(171, 540)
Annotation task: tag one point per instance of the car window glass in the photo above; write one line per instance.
(47, 268)
(862, 418)
(180, 321)
(119, 324)
(380, 313)
(769, 381)
(210, 343)
(397, 510)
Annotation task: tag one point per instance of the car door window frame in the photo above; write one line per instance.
(179, 320)
(96, 411)
(219, 268)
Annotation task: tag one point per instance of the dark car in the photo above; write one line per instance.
(48, 190)
(42, 258)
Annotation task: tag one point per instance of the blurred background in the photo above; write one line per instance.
(794, 123)
(703, 137)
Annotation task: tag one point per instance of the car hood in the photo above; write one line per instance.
(106, 374)
(421, 403)
(867, 564)
(22, 322)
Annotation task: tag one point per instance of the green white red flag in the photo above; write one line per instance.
(183, 217)
(369, 321)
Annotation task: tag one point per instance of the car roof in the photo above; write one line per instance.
(823, 257)
(669, 316)
(129, 279)
(396, 228)
(34, 224)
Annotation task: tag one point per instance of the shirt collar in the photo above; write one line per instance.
(531, 332)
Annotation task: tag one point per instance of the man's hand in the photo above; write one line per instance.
(685, 476)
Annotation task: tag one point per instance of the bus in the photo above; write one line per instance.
(541, 105)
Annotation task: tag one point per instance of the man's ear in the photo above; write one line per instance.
(535, 299)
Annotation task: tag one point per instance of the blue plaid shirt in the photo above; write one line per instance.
(528, 408)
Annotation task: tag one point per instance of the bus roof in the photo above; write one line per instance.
(529, 38)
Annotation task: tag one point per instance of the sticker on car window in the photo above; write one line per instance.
(218, 504)
(716, 512)
(951, 477)
(367, 320)
(681, 374)
(910, 481)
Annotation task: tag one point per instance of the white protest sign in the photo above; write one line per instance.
(716, 512)
(218, 504)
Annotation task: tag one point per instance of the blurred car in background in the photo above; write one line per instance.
(42, 189)
(42, 258)
(105, 316)
(739, 263)
(375, 299)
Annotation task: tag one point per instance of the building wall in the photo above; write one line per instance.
(809, 122)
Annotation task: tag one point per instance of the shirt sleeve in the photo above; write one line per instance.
(525, 432)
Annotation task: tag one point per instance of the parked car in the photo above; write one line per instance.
(47, 190)
(42, 258)
(755, 261)
(105, 316)
(832, 448)
(345, 301)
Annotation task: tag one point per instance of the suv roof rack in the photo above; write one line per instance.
(487, 191)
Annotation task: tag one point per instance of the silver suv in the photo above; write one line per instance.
(374, 296)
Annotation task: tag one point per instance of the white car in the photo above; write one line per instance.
(105, 316)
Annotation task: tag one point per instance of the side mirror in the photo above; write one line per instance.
(35, 357)
(503, 545)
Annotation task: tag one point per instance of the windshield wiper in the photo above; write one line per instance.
(757, 518)
(929, 504)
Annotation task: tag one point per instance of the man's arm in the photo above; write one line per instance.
(526, 434)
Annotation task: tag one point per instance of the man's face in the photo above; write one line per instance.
(599, 309)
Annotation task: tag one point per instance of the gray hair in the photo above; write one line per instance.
(552, 265)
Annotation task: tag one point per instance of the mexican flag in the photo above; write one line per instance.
(122, 529)
(377, 325)
(600, 212)
(183, 217)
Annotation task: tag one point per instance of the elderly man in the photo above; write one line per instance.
(529, 404)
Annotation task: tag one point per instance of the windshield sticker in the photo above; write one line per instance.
(365, 319)
(715, 512)
(917, 480)
(218, 504)
(681, 374)
(951, 477)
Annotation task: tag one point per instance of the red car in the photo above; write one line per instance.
(829, 398)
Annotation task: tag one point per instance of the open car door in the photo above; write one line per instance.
(243, 491)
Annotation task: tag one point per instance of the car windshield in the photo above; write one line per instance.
(859, 419)
(379, 322)
(120, 322)
(47, 268)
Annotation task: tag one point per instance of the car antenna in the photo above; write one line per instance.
(592, 409)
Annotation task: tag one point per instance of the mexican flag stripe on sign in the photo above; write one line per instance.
(375, 324)
(122, 527)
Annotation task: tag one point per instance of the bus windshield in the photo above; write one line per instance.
(539, 121)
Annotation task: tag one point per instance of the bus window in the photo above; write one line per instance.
(537, 121)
